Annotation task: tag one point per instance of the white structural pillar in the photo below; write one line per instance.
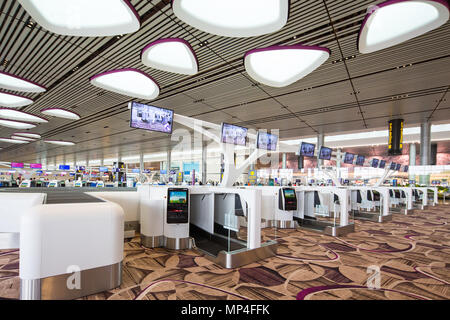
(283, 161)
(320, 143)
(425, 150)
(141, 163)
(204, 161)
(412, 158)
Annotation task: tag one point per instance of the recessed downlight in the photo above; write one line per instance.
(84, 18)
(60, 113)
(16, 124)
(12, 114)
(130, 82)
(12, 100)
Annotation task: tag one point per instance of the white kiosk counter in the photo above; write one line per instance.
(206, 218)
(370, 203)
(69, 251)
(12, 207)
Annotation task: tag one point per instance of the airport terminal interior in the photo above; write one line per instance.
(224, 150)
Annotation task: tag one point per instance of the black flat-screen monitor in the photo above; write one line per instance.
(375, 163)
(382, 164)
(266, 141)
(177, 205)
(393, 166)
(325, 153)
(151, 118)
(405, 168)
(348, 158)
(360, 160)
(307, 149)
(398, 167)
(234, 134)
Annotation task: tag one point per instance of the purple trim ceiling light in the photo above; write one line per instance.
(132, 8)
(172, 40)
(123, 70)
(21, 133)
(70, 111)
(29, 114)
(388, 3)
(26, 122)
(23, 79)
(16, 95)
(295, 46)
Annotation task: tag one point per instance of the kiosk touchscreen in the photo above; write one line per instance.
(287, 199)
(78, 184)
(25, 184)
(177, 205)
(53, 184)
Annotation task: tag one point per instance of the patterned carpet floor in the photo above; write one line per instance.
(411, 252)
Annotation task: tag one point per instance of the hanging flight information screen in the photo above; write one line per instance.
(177, 205)
(348, 158)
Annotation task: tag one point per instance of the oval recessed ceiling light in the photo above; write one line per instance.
(16, 124)
(12, 114)
(21, 138)
(84, 18)
(8, 140)
(280, 66)
(60, 113)
(393, 22)
(12, 100)
(171, 55)
(233, 18)
(60, 142)
(130, 82)
(12, 82)
(28, 135)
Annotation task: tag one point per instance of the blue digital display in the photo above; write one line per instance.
(307, 149)
(348, 158)
(360, 160)
(375, 163)
(382, 164)
(135, 170)
(162, 171)
(103, 169)
(64, 167)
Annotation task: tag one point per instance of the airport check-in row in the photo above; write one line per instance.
(62, 231)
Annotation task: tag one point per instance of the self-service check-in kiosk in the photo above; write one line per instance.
(370, 203)
(208, 219)
(287, 199)
(177, 206)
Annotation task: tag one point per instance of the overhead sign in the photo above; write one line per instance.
(395, 143)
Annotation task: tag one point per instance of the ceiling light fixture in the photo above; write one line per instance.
(29, 135)
(130, 82)
(60, 113)
(21, 138)
(12, 82)
(280, 66)
(12, 114)
(16, 124)
(60, 142)
(84, 18)
(12, 100)
(8, 140)
(171, 55)
(396, 21)
(233, 18)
